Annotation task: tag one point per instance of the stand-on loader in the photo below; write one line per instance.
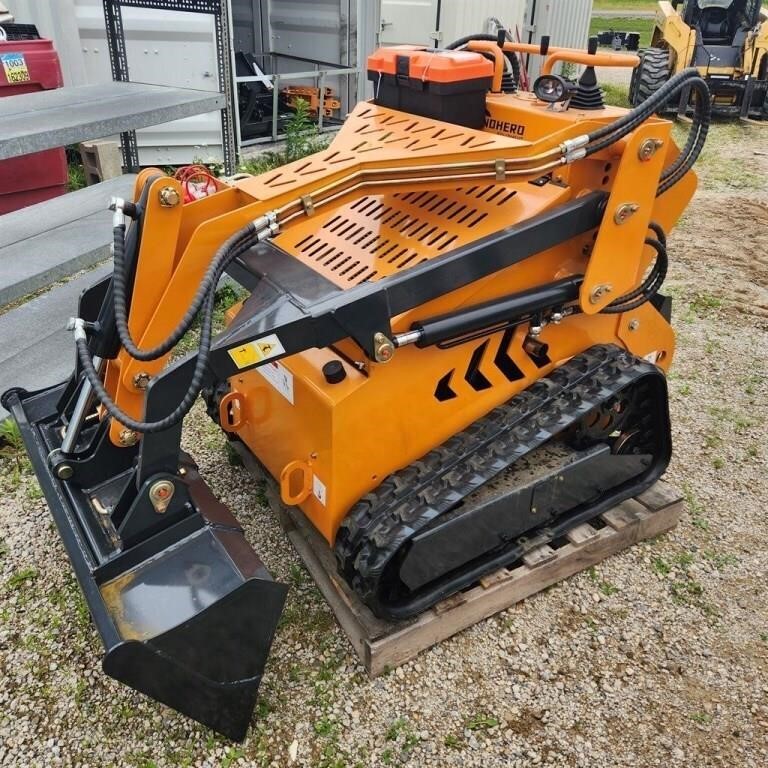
(453, 349)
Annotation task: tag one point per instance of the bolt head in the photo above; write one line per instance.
(128, 437)
(64, 471)
(160, 494)
(169, 197)
(383, 347)
(649, 148)
(141, 380)
(633, 325)
(599, 291)
(624, 212)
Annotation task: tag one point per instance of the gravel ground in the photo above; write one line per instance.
(657, 657)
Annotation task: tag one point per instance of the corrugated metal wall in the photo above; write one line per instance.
(460, 17)
(565, 21)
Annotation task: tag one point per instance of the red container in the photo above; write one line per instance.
(27, 66)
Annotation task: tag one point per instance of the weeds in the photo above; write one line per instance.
(22, 577)
(702, 303)
(694, 508)
(396, 728)
(11, 443)
(481, 722)
(231, 756)
(301, 139)
(720, 561)
(605, 587)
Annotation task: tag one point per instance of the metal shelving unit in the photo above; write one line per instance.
(219, 9)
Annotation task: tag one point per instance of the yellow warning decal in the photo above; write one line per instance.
(15, 66)
(254, 352)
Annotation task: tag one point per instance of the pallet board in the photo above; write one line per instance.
(383, 645)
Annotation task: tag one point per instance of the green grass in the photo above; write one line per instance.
(615, 95)
(643, 27)
(625, 5)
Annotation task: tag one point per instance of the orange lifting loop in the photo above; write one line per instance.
(231, 411)
(288, 479)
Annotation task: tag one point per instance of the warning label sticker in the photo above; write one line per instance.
(255, 351)
(15, 66)
(280, 378)
(318, 488)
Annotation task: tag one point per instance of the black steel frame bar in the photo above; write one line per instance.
(366, 309)
(119, 62)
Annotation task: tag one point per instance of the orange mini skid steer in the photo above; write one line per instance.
(453, 349)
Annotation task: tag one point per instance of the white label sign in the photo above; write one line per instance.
(318, 488)
(280, 378)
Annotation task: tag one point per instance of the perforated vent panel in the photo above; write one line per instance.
(377, 235)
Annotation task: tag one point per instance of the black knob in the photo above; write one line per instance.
(334, 372)
(544, 45)
(592, 46)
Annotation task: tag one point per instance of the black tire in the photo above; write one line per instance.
(652, 72)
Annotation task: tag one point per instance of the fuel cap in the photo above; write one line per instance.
(334, 372)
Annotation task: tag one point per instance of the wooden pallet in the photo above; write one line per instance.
(383, 645)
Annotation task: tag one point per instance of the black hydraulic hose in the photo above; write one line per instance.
(643, 111)
(207, 285)
(689, 78)
(198, 376)
(195, 385)
(658, 230)
(649, 287)
(510, 56)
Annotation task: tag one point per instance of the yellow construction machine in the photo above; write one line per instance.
(726, 40)
(453, 349)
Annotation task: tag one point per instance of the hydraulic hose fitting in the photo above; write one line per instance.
(77, 324)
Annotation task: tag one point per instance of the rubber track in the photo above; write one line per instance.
(408, 500)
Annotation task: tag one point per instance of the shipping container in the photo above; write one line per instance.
(178, 49)
(440, 22)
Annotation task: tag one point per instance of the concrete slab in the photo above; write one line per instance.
(50, 241)
(35, 349)
(31, 122)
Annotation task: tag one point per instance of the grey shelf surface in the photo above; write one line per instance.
(47, 242)
(32, 122)
(36, 350)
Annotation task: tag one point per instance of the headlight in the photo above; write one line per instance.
(551, 88)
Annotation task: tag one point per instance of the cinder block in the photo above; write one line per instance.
(102, 160)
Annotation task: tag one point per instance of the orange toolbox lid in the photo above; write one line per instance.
(431, 64)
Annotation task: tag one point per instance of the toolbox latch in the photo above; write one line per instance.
(402, 70)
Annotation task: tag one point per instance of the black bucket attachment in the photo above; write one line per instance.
(185, 608)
